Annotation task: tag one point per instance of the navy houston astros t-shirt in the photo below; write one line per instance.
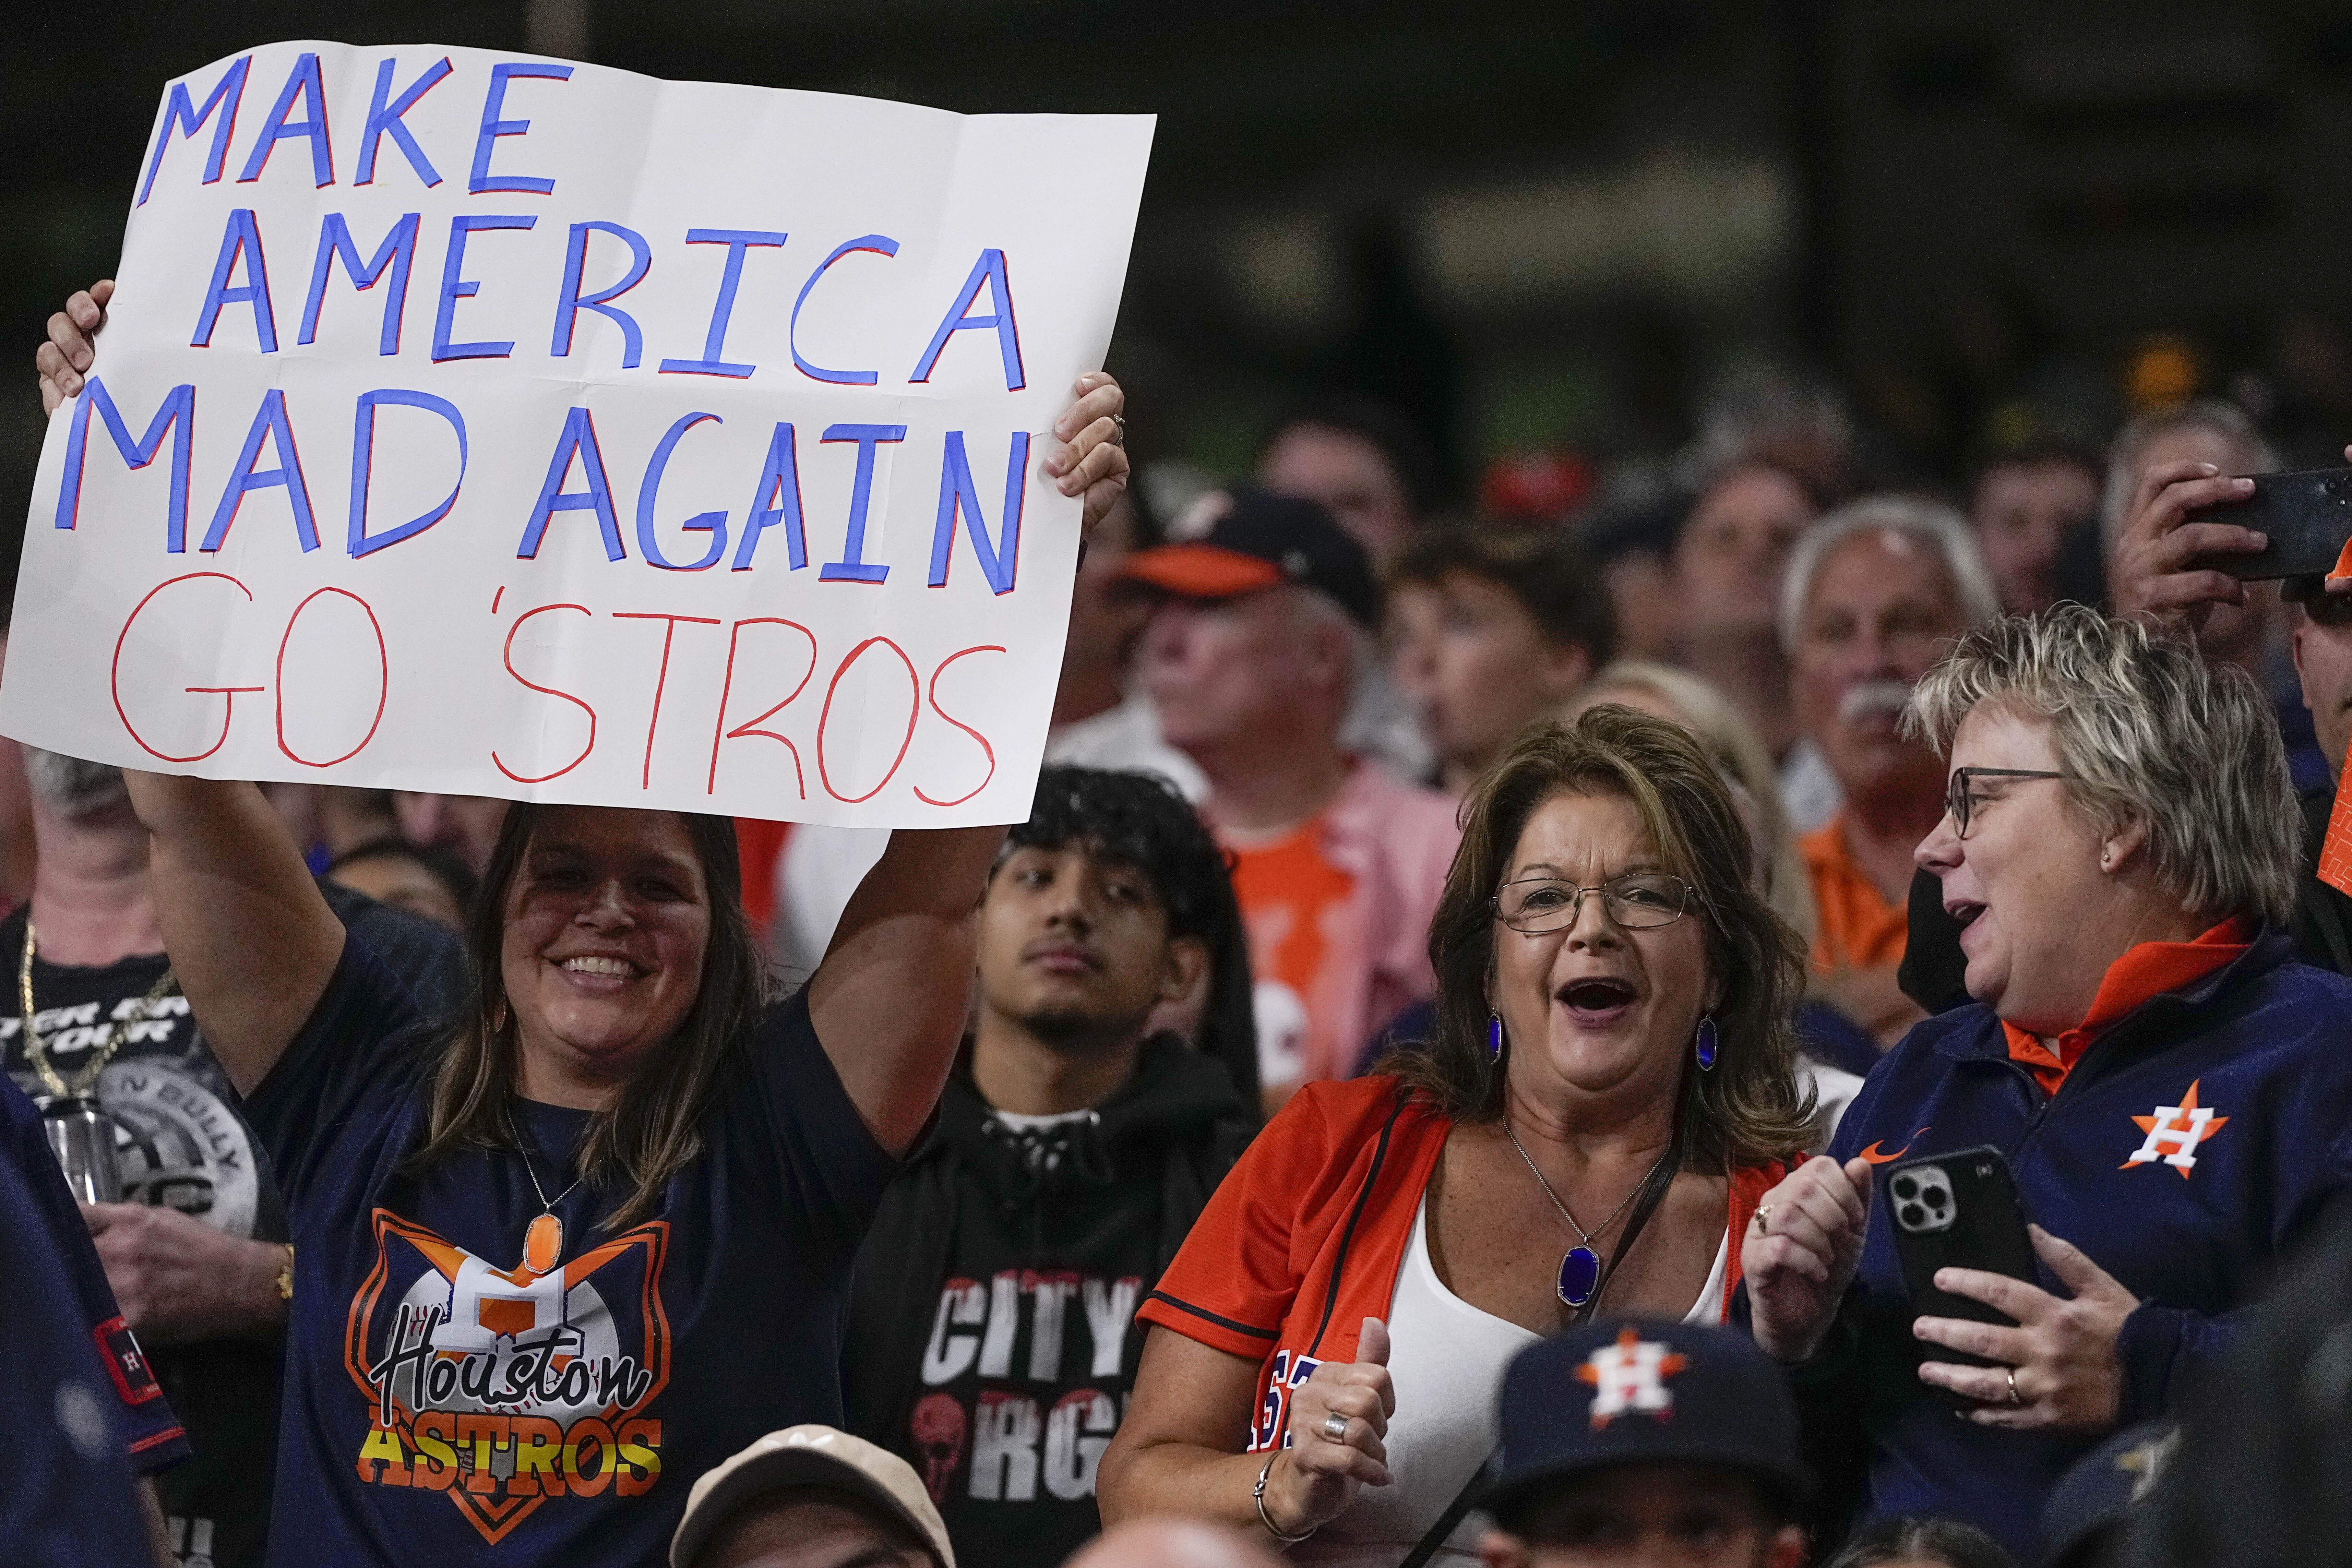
(443, 1404)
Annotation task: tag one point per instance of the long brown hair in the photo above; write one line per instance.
(653, 1126)
(1747, 1111)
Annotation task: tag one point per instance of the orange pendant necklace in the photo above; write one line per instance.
(542, 1240)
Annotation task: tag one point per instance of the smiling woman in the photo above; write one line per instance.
(1609, 1092)
(557, 1258)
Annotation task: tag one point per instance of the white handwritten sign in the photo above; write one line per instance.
(489, 424)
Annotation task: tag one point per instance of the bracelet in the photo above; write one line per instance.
(286, 1273)
(1258, 1494)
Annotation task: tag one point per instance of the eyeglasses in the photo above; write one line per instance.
(1534, 905)
(1962, 805)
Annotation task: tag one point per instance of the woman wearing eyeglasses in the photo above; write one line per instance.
(1608, 1094)
(2172, 1092)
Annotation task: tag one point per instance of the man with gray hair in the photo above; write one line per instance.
(1253, 656)
(1875, 593)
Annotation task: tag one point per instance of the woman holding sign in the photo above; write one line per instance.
(554, 1263)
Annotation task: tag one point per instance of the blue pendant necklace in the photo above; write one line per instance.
(1580, 1270)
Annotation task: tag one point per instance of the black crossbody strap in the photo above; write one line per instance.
(1653, 1192)
(1426, 1547)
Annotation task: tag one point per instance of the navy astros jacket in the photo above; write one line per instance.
(2189, 1144)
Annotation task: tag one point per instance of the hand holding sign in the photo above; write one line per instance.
(67, 351)
(283, 520)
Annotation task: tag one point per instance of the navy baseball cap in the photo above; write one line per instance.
(2095, 1495)
(1639, 1392)
(1263, 541)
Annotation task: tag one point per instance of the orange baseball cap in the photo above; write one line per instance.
(1263, 541)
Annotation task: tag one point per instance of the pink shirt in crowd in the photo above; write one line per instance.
(1339, 913)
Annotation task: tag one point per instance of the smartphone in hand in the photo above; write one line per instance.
(2307, 514)
(1957, 1210)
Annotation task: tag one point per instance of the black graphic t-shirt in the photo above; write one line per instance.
(447, 1403)
(993, 1322)
(181, 1143)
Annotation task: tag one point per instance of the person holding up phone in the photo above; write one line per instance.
(2167, 1084)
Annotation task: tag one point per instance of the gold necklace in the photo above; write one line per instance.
(84, 1083)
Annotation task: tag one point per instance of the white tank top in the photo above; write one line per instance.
(1447, 1359)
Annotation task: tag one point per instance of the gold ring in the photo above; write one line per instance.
(2014, 1397)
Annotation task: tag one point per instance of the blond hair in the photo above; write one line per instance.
(2145, 730)
(1745, 760)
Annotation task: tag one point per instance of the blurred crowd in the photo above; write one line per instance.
(1474, 1056)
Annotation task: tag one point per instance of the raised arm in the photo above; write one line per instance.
(251, 940)
(892, 996)
(890, 999)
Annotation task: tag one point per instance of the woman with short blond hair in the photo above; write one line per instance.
(2169, 1087)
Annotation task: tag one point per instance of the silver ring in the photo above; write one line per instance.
(1335, 1426)
(2014, 1397)
(1763, 1219)
(1121, 421)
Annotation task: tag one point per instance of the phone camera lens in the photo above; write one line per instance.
(1907, 1187)
(1914, 1215)
(1936, 1198)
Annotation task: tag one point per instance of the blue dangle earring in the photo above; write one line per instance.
(1705, 1043)
(1493, 1037)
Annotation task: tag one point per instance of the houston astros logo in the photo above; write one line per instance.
(1630, 1376)
(503, 1388)
(2174, 1132)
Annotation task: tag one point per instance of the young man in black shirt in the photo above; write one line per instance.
(992, 1337)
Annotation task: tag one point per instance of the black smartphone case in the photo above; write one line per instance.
(2309, 516)
(1955, 1210)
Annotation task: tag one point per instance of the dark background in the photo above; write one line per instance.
(1557, 226)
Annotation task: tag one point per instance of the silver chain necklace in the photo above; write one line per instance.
(542, 1240)
(1579, 1268)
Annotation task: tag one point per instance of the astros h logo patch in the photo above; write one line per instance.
(2174, 1134)
(1630, 1376)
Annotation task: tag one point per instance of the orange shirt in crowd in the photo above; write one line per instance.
(2148, 970)
(1338, 911)
(760, 843)
(1303, 937)
(1857, 928)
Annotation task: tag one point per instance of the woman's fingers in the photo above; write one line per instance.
(1091, 461)
(1781, 1255)
(2010, 1347)
(1357, 1402)
(1792, 1223)
(68, 350)
(1986, 1384)
(2028, 1304)
(2075, 1270)
(1094, 397)
(1831, 1205)
(57, 379)
(70, 341)
(89, 306)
